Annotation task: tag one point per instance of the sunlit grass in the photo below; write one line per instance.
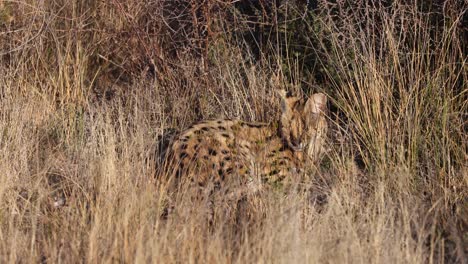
(81, 109)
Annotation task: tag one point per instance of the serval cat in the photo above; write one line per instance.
(231, 153)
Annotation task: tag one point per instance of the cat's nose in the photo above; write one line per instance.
(297, 145)
(296, 141)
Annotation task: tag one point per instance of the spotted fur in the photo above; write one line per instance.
(219, 151)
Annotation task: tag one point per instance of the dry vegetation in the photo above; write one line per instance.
(87, 88)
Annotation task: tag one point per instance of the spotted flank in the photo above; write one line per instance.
(218, 152)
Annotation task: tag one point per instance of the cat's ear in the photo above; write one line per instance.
(316, 104)
(285, 105)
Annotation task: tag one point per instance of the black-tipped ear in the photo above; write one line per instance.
(317, 103)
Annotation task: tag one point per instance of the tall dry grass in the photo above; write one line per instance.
(87, 87)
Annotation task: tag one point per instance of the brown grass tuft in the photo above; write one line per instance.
(86, 88)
